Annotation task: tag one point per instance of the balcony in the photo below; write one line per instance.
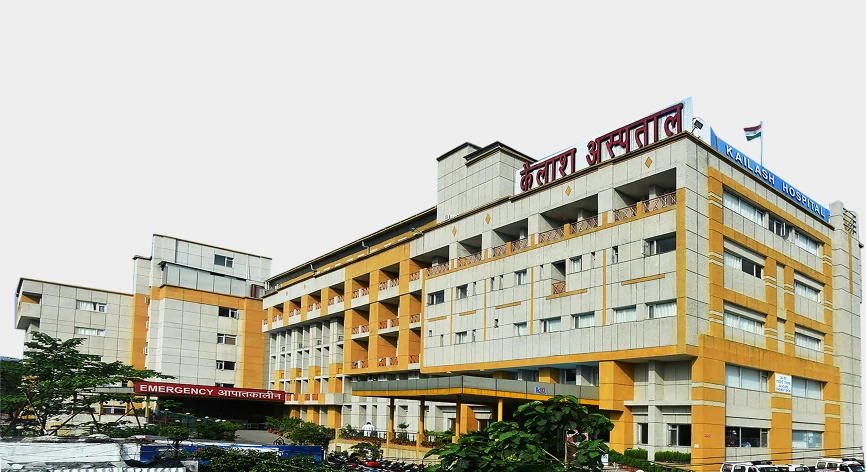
(360, 364)
(360, 297)
(625, 213)
(360, 331)
(336, 304)
(295, 312)
(415, 321)
(500, 250)
(389, 288)
(414, 359)
(551, 235)
(389, 326)
(387, 361)
(415, 281)
(437, 269)
(470, 259)
(657, 203)
(264, 325)
(314, 309)
(557, 287)
(277, 322)
(519, 244)
(585, 224)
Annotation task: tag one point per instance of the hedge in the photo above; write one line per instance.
(672, 456)
(636, 453)
(624, 460)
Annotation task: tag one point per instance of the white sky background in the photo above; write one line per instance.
(287, 129)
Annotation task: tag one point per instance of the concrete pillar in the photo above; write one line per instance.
(500, 403)
(655, 191)
(390, 432)
(419, 438)
(616, 385)
(458, 420)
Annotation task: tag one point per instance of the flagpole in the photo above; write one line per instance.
(762, 143)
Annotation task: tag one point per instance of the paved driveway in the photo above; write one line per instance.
(253, 436)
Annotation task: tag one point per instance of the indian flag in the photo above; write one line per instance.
(753, 132)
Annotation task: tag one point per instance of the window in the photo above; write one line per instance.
(807, 243)
(742, 377)
(576, 264)
(642, 433)
(520, 329)
(614, 255)
(226, 312)
(568, 376)
(807, 291)
(492, 282)
(520, 277)
(746, 437)
(97, 358)
(744, 323)
(592, 259)
(226, 338)
(473, 335)
(90, 306)
(623, 315)
(583, 320)
(806, 388)
(224, 385)
(660, 245)
(679, 435)
(461, 337)
(441, 339)
(429, 333)
(807, 439)
(743, 207)
(779, 227)
(807, 341)
(436, 298)
(462, 291)
(527, 375)
(747, 266)
(225, 365)
(495, 322)
(89, 331)
(113, 409)
(662, 310)
(589, 374)
(223, 261)
(550, 325)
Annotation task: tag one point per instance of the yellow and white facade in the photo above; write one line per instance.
(195, 313)
(701, 308)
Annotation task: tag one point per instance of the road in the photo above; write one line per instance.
(253, 436)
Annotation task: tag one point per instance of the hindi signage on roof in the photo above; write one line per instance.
(647, 130)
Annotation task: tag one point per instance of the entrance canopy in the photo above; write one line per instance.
(471, 390)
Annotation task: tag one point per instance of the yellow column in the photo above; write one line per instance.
(499, 404)
(616, 385)
(780, 424)
(548, 374)
(708, 414)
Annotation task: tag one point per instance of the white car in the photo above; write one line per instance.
(845, 464)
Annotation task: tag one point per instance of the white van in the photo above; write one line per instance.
(794, 468)
(754, 466)
(845, 464)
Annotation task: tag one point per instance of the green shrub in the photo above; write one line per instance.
(222, 430)
(636, 453)
(672, 456)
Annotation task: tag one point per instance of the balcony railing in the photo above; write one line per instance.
(395, 282)
(356, 294)
(415, 318)
(557, 287)
(337, 299)
(360, 364)
(470, 259)
(551, 235)
(314, 306)
(625, 213)
(657, 203)
(415, 276)
(295, 312)
(500, 250)
(365, 291)
(414, 358)
(383, 324)
(584, 224)
(437, 269)
(386, 361)
(519, 244)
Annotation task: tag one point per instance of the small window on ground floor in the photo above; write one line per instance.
(679, 435)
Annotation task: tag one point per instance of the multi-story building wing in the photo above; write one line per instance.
(195, 314)
(670, 282)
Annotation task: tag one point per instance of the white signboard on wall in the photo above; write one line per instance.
(783, 383)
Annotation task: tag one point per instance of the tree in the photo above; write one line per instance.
(59, 382)
(312, 434)
(536, 442)
(11, 376)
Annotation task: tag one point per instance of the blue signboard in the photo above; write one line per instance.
(768, 177)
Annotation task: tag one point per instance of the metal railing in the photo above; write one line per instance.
(360, 364)
(365, 291)
(657, 203)
(519, 244)
(625, 213)
(557, 287)
(437, 269)
(414, 358)
(415, 276)
(500, 250)
(415, 318)
(386, 361)
(551, 235)
(470, 259)
(295, 312)
(314, 306)
(584, 224)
